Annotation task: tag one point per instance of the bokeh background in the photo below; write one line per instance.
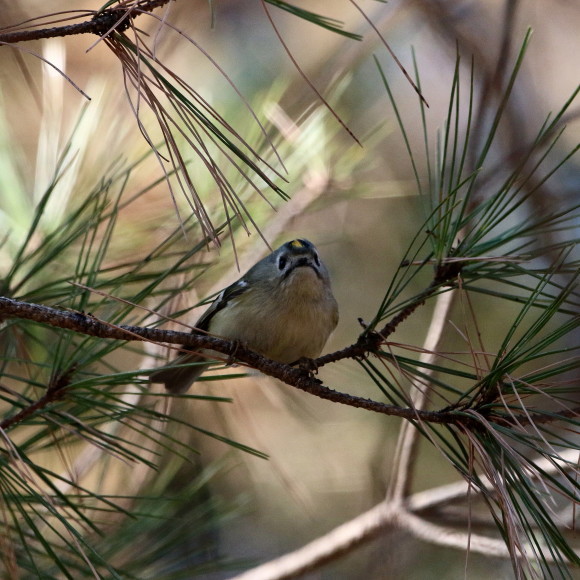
(358, 204)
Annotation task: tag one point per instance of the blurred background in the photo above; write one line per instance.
(357, 203)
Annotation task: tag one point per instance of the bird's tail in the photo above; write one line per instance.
(178, 378)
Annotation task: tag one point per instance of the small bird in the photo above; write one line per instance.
(283, 308)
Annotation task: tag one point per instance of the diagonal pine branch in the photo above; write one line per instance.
(294, 376)
(297, 377)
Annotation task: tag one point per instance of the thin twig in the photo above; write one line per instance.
(409, 436)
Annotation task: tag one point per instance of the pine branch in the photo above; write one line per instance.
(100, 23)
(298, 377)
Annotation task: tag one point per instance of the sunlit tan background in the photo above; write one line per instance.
(359, 205)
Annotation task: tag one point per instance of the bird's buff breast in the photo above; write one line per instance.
(293, 323)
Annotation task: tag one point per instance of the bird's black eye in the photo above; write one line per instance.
(282, 261)
(316, 259)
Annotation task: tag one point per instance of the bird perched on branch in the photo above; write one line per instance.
(283, 308)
